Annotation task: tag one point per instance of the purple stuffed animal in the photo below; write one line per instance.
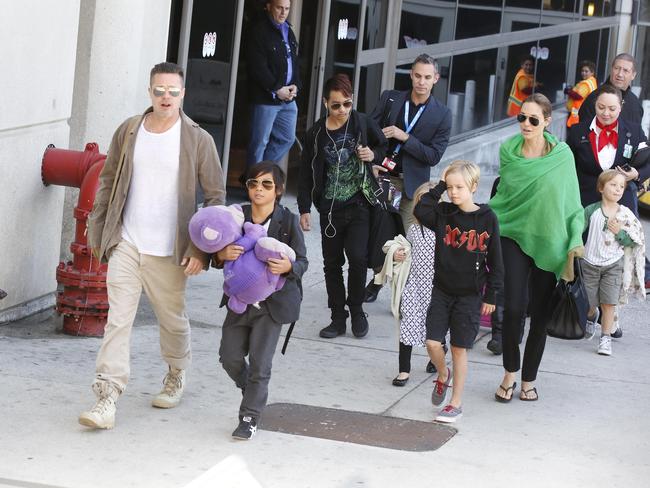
(247, 280)
(213, 228)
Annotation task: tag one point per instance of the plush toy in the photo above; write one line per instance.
(247, 280)
(213, 228)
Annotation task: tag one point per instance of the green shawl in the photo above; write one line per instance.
(538, 204)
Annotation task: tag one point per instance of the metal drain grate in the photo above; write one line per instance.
(355, 427)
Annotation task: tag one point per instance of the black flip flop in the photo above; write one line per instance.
(526, 392)
(501, 399)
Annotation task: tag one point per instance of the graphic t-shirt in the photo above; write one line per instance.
(344, 171)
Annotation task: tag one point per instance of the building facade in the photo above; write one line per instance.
(88, 71)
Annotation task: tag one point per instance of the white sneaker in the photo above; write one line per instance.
(590, 327)
(102, 415)
(172, 392)
(605, 346)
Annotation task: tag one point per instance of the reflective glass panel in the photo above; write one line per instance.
(376, 20)
(425, 23)
(342, 38)
(531, 4)
(369, 87)
(474, 22)
(551, 68)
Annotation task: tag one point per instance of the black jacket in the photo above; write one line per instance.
(588, 168)
(467, 244)
(266, 62)
(632, 110)
(284, 304)
(429, 137)
(312, 167)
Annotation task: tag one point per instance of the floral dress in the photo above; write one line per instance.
(417, 291)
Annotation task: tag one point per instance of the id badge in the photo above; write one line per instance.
(627, 151)
(388, 163)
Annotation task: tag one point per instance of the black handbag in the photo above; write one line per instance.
(569, 305)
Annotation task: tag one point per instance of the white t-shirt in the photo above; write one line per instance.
(601, 249)
(151, 208)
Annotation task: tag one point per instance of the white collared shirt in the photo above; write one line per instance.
(606, 155)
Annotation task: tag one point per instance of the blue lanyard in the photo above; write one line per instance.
(408, 126)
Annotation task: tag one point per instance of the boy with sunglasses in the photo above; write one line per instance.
(255, 333)
(148, 246)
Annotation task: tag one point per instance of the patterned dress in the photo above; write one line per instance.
(417, 291)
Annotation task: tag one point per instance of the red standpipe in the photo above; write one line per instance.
(83, 301)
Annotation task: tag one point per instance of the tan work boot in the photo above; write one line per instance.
(102, 415)
(172, 392)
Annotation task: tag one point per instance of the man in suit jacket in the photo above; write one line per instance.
(417, 127)
(621, 76)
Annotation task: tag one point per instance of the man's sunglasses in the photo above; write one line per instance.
(336, 105)
(253, 184)
(534, 121)
(159, 91)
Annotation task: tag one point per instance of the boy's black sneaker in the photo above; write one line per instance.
(359, 324)
(617, 334)
(335, 329)
(495, 346)
(246, 429)
(372, 291)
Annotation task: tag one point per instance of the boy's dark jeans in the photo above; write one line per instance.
(349, 230)
(253, 334)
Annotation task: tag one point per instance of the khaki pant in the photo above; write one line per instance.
(164, 283)
(405, 206)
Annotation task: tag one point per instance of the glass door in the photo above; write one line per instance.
(210, 53)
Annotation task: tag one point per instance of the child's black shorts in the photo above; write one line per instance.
(459, 314)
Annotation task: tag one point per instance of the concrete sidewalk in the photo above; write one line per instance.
(589, 428)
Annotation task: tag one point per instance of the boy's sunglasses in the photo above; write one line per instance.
(159, 91)
(253, 184)
(534, 121)
(336, 105)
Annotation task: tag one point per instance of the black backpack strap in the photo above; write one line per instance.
(287, 337)
(285, 228)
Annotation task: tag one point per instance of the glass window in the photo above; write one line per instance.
(551, 68)
(369, 87)
(532, 4)
(376, 20)
(472, 89)
(342, 38)
(598, 8)
(515, 59)
(644, 12)
(588, 50)
(643, 70)
(486, 3)
(474, 22)
(423, 24)
(603, 62)
(561, 5)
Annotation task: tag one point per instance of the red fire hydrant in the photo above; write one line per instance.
(83, 301)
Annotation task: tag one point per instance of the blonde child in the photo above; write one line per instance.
(467, 243)
(612, 228)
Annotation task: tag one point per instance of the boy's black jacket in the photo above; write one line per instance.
(467, 244)
(312, 167)
(284, 304)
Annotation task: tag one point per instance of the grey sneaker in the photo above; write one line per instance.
(172, 392)
(590, 328)
(449, 414)
(605, 346)
(102, 415)
(439, 392)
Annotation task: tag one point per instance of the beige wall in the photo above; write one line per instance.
(37, 78)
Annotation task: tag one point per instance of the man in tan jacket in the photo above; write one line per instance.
(139, 223)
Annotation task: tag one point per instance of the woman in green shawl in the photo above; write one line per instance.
(541, 221)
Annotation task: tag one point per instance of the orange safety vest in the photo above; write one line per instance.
(584, 88)
(517, 97)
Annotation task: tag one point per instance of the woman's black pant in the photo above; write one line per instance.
(520, 274)
(345, 236)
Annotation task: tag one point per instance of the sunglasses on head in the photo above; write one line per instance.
(159, 91)
(534, 121)
(336, 105)
(254, 183)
